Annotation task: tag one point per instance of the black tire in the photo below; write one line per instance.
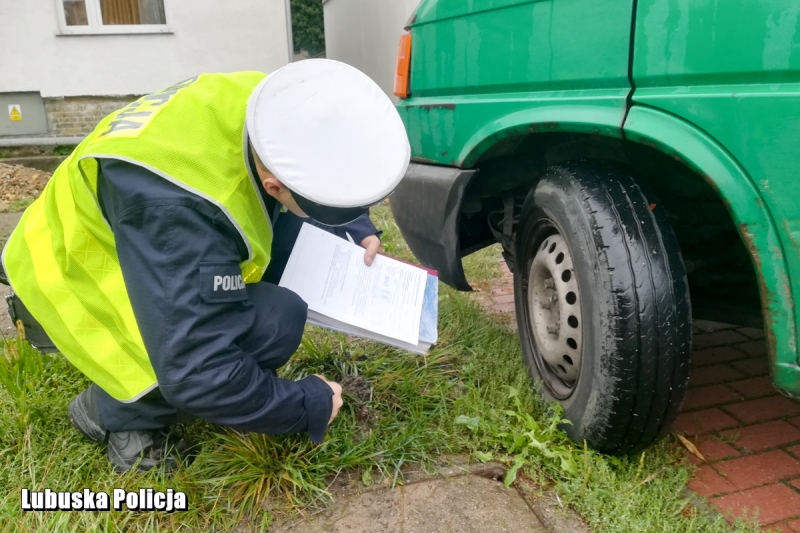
(634, 304)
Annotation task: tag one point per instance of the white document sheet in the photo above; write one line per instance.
(330, 275)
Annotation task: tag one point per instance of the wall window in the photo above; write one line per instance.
(111, 16)
(75, 12)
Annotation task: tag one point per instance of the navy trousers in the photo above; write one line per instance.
(271, 343)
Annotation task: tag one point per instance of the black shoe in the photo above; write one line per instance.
(144, 450)
(128, 449)
(85, 416)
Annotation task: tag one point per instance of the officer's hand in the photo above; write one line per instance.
(337, 396)
(373, 246)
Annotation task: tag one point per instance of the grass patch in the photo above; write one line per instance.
(64, 149)
(19, 205)
(469, 394)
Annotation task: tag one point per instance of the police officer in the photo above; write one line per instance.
(208, 179)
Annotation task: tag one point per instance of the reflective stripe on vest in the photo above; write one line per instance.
(62, 259)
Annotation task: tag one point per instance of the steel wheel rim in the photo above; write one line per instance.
(554, 315)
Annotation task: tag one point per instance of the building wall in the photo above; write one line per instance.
(206, 36)
(365, 34)
(78, 115)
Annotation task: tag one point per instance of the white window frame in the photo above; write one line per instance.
(96, 27)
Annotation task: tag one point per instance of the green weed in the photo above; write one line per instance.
(522, 440)
(20, 370)
(64, 149)
(19, 205)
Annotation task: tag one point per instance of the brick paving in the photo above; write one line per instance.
(499, 298)
(747, 432)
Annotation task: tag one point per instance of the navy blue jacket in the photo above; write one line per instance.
(198, 349)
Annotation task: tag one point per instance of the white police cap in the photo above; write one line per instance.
(329, 134)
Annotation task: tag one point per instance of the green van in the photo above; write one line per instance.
(639, 162)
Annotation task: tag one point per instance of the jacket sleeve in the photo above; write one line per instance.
(359, 229)
(201, 347)
(287, 228)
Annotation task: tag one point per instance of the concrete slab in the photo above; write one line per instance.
(465, 503)
(372, 511)
(8, 221)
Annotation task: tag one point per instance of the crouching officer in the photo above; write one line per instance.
(120, 258)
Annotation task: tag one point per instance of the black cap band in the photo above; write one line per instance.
(330, 216)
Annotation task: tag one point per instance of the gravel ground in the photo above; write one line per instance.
(19, 185)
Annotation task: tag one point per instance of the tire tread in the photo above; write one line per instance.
(647, 309)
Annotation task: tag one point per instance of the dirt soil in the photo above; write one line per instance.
(20, 183)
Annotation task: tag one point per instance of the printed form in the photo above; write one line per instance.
(330, 275)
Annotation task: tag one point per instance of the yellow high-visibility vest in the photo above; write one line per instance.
(62, 259)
